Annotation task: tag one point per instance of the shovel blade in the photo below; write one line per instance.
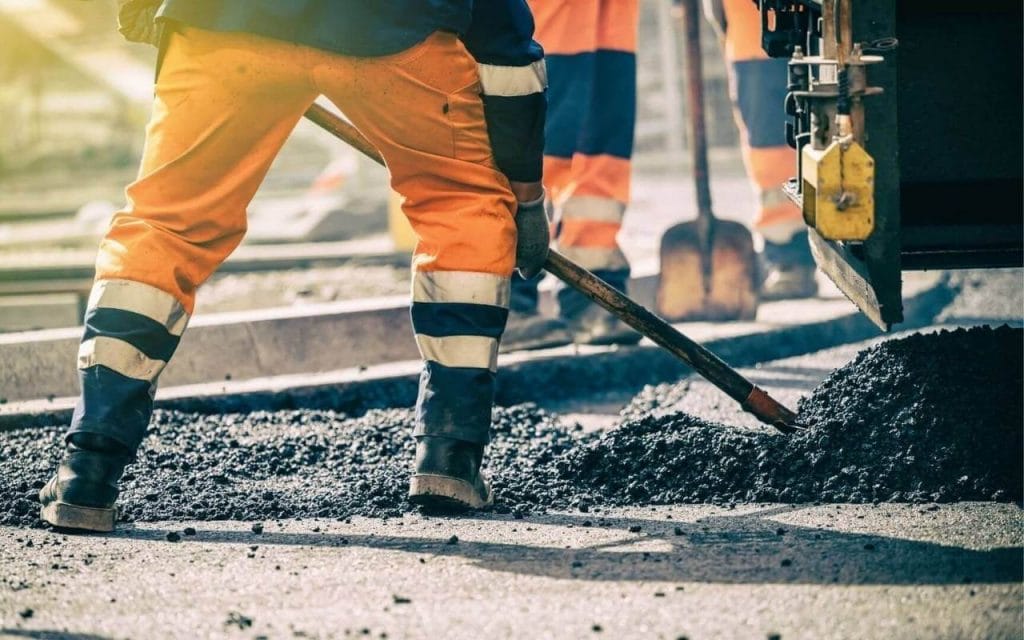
(732, 293)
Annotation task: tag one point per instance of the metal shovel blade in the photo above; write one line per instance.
(723, 288)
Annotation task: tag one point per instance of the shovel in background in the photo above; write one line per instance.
(708, 266)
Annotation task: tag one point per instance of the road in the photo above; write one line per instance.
(693, 571)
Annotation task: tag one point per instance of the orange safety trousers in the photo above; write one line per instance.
(222, 111)
(224, 105)
(758, 87)
(590, 48)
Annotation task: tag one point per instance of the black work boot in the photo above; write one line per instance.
(789, 269)
(447, 475)
(82, 493)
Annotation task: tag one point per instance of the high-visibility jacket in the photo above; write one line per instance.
(497, 33)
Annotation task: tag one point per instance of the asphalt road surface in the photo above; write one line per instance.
(693, 571)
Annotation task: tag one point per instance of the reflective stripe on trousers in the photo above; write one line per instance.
(131, 331)
(458, 318)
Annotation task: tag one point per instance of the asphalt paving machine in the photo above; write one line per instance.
(907, 119)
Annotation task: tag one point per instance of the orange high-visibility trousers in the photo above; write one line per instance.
(224, 105)
(758, 89)
(224, 108)
(590, 50)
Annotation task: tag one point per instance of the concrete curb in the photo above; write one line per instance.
(225, 346)
(522, 377)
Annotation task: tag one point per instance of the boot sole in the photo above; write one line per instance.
(70, 516)
(444, 493)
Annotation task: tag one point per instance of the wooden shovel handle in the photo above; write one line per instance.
(695, 104)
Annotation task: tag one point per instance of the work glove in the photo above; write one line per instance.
(534, 231)
(136, 21)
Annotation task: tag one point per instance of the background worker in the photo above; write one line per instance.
(758, 91)
(235, 77)
(590, 48)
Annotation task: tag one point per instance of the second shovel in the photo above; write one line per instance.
(708, 266)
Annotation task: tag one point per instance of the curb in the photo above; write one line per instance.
(225, 346)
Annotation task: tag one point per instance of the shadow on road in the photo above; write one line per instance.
(739, 549)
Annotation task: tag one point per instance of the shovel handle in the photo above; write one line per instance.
(695, 105)
(753, 399)
(707, 364)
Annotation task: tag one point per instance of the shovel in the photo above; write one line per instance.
(708, 266)
(751, 398)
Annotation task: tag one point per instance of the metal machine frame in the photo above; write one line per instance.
(907, 119)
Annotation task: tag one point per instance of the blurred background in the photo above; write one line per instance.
(74, 99)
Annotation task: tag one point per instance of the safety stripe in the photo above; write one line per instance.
(476, 352)
(499, 80)
(461, 286)
(778, 226)
(458, 319)
(145, 334)
(772, 197)
(118, 355)
(592, 258)
(593, 208)
(140, 298)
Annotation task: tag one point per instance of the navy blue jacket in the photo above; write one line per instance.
(498, 33)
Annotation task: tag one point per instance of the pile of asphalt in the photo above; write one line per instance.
(932, 417)
(285, 464)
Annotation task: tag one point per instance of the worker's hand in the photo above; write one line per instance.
(136, 21)
(534, 233)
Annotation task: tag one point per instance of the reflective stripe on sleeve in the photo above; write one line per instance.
(497, 80)
(143, 299)
(461, 286)
(119, 356)
(476, 352)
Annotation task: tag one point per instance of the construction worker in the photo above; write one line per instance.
(417, 78)
(758, 91)
(590, 47)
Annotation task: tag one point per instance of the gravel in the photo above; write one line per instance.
(924, 418)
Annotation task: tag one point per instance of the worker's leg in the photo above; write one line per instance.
(759, 91)
(567, 29)
(224, 105)
(422, 109)
(591, 197)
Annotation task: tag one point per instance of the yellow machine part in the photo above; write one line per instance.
(838, 190)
